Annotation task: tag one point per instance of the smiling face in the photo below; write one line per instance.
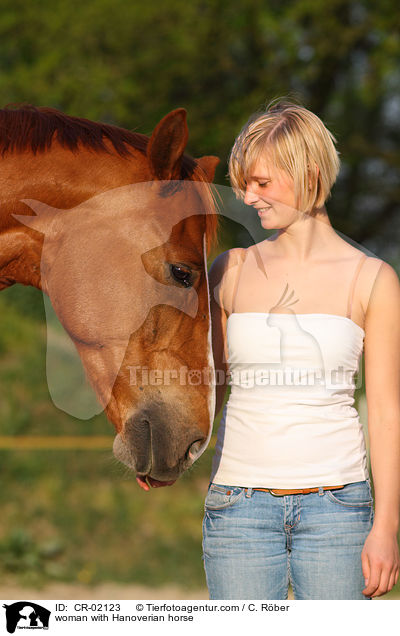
(271, 192)
(295, 142)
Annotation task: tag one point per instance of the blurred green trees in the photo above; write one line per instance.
(131, 62)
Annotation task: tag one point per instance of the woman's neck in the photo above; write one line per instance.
(307, 238)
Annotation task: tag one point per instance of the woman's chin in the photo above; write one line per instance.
(267, 223)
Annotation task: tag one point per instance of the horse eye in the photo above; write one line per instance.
(181, 275)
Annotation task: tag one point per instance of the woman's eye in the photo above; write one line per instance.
(181, 275)
(263, 184)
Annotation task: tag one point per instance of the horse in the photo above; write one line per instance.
(115, 228)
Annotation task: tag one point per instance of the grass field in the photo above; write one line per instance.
(77, 516)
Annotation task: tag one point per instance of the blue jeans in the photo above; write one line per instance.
(255, 543)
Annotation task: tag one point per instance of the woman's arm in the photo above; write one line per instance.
(380, 556)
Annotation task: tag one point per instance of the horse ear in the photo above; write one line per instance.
(208, 165)
(167, 145)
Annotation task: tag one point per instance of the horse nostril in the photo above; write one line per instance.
(194, 449)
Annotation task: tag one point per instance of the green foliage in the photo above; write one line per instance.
(71, 515)
(79, 516)
(20, 555)
(129, 63)
(25, 404)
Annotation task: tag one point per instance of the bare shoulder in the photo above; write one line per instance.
(222, 276)
(382, 347)
(223, 263)
(378, 281)
(384, 285)
(386, 272)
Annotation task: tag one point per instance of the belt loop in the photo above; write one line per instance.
(320, 491)
(249, 492)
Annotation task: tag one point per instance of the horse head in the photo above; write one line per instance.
(126, 274)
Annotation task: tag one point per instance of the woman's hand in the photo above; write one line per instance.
(380, 562)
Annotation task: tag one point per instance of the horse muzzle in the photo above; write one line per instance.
(157, 447)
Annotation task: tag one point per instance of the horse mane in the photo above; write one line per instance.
(27, 127)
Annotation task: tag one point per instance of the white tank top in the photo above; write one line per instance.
(290, 421)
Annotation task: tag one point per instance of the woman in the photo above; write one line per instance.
(290, 497)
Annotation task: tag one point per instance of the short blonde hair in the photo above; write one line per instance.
(294, 140)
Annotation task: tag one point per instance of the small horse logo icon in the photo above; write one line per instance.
(26, 615)
(301, 358)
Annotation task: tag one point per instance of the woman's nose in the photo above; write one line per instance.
(250, 197)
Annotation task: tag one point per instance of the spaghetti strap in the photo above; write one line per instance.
(259, 261)
(242, 252)
(260, 265)
(353, 285)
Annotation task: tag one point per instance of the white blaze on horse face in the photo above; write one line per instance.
(211, 388)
